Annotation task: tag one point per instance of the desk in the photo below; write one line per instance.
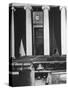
(54, 69)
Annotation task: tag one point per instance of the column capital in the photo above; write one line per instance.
(13, 8)
(27, 7)
(61, 7)
(45, 7)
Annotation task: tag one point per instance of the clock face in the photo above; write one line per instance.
(37, 17)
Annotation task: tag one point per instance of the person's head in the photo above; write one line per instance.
(55, 50)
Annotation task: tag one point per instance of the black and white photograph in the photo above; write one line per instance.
(37, 44)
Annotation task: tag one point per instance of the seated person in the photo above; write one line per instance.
(56, 52)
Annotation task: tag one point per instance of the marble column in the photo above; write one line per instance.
(46, 30)
(63, 30)
(12, 33)
(28, 31)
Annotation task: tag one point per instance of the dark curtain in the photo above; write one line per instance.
(20, 29)
(55, 29)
